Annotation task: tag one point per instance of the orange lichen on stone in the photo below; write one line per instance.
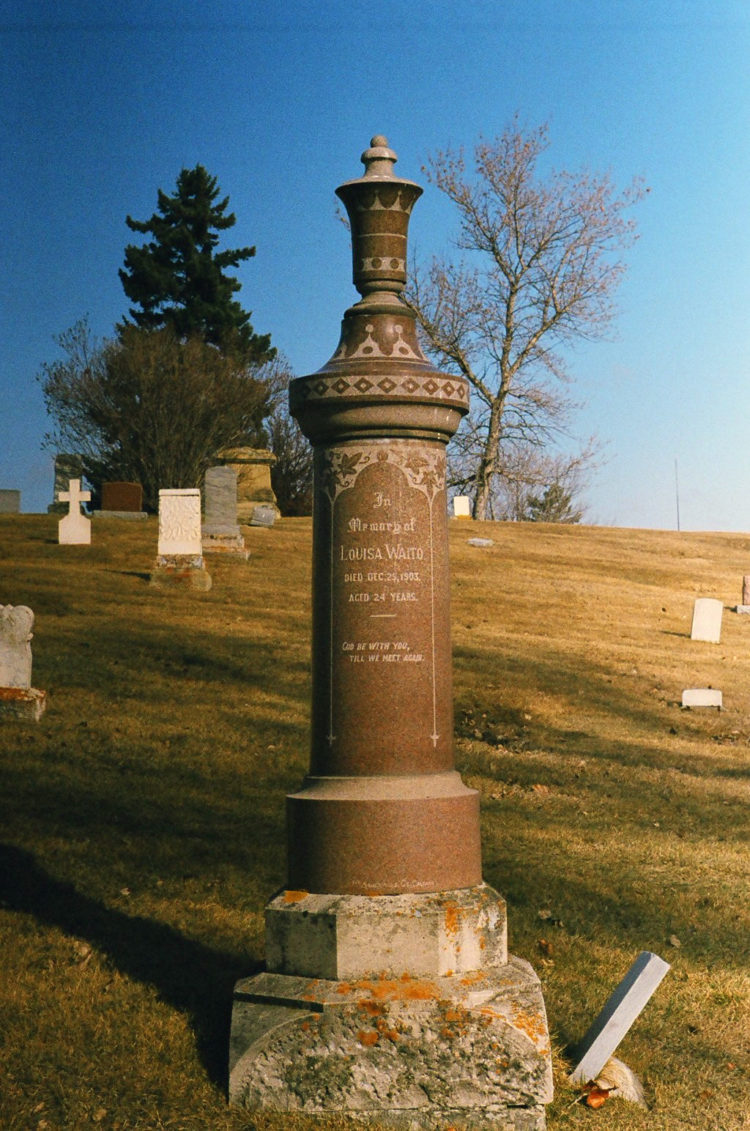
(368, 1039)
(312, 992)
(11, 693)
(374, 1008)
(405, 989)
(532, 1024)
(452, 919)
(295, 896)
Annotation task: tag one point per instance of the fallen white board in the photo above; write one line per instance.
(620, 1011)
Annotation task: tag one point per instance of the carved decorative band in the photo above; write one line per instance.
(396, 387)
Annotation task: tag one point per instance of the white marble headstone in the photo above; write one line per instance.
(461, 506)
(180, 522)
(74, 529)
(707, 615)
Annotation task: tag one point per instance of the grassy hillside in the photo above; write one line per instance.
(142, 818)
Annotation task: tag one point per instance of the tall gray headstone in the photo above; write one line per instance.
(221, 531)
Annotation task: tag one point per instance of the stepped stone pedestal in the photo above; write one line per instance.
(389, 994)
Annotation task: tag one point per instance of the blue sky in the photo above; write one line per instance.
(103, 104)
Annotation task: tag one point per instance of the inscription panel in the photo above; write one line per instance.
(381, 682)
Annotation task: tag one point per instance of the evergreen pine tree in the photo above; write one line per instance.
(178, 278)
(555, 504)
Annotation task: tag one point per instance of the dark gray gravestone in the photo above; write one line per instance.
(67, 466)
(10, 501)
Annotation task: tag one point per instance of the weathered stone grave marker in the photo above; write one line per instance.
(253, 467)
(461, 506)
(75, 528)
(221, 532)
(18, 699)
(10, 501)
(618, 1014)
(263, 515)
(179, 559)
(389, 992)
(707, 614)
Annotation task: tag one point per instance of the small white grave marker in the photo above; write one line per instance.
(702, 697)
(620, 1011)
(74, 529)
(707, 620)
(461, 506)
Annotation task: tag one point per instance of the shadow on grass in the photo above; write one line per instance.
(190, 977)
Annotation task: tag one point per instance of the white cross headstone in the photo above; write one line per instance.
(707, 615)
(74, 529)
(619, 1012)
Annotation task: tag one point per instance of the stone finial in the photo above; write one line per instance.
(379, 160)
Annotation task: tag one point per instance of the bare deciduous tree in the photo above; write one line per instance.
(541, 266)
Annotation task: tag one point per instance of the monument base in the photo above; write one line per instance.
(180, 571)
(405, 1010)
(464, 1051)
(224, 540)
(25, 703)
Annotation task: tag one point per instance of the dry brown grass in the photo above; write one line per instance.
(143, 829)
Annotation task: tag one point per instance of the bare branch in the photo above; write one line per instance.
(539, 269)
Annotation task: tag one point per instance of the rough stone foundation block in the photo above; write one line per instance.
(25, 703)
(347, 936)
(466, 1051)
(229, 541)
(180, 571)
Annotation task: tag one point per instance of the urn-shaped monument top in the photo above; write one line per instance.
(378, 364)
(379, 205)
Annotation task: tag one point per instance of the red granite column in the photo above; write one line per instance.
(383, 810)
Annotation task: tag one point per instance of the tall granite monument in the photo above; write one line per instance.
(388, 991)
